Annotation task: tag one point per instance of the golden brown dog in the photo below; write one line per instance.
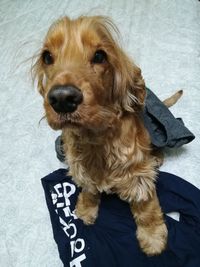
(95, 94)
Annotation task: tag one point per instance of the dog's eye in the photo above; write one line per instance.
(99, 57)
(47, 57)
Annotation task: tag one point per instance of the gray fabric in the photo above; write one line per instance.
(59, 149)
(165, 130)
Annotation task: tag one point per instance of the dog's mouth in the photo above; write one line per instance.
(85, 117)
(68, 119)
(62, 120)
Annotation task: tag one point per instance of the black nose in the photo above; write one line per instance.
(65, 98)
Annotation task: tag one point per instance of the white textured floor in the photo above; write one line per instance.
(162, 36)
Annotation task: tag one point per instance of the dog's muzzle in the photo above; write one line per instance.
(65, 98)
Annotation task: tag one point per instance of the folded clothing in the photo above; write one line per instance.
(111, 241)
(164, 129)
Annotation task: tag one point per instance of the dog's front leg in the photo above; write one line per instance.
(151, 229)
(87, 206)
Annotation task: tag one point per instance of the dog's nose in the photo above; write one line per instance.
(65, 98)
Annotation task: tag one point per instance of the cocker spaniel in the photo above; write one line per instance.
(95, 93)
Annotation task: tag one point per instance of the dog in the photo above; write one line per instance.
(95, 93)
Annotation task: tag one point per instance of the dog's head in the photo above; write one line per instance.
(84, 76)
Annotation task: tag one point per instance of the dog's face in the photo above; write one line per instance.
(85, 78)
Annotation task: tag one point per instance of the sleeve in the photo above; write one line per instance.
(177, 195)
(61, 195)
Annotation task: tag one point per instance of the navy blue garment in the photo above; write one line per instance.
(111, 241)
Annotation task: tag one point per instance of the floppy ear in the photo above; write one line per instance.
(129, 88)
(128, 83)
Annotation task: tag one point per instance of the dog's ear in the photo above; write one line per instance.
(128, 83)
(129, 87)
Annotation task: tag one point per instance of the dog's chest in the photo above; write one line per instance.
(99, 168)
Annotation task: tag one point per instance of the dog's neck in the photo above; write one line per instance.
(100, 156)
(90, 137)
(124, 133)
(97, 157)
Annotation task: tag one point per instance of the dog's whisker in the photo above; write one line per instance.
(44, 117)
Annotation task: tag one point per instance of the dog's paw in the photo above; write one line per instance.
(88, 215)
(87, 207)
(152, 240)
